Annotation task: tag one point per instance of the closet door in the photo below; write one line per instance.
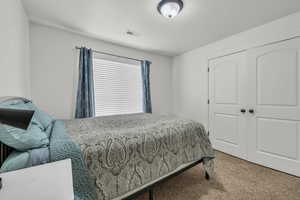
(227, 109)
(274, 116)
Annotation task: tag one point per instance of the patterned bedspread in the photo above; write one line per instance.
(125, 152)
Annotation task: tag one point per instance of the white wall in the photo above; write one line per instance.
(189, 72)
(14, 51)
(54, 66)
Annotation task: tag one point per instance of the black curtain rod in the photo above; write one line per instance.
(109, 54)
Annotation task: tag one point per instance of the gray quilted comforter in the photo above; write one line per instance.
(125, 152)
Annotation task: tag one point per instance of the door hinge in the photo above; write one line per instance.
(208, 69)
(208, 101)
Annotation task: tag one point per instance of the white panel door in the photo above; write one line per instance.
(227, 100)
(274, 126)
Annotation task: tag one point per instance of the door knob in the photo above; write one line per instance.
(251, 111)
(243, 110)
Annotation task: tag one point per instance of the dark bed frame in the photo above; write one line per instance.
(5, 151)
(150, 188)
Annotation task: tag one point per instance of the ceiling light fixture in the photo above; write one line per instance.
(130, 32)
(170, 8)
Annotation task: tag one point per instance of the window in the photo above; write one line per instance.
(118, 87)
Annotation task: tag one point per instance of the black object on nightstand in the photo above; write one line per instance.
(16, 118)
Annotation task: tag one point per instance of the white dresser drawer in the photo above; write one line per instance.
(52, 181)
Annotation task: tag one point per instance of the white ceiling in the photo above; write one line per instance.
(200, 22)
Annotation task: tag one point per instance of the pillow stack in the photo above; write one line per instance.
(24, 141)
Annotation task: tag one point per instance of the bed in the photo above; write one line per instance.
(116, 157)
(123, 153)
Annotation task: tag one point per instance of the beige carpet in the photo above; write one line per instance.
(235, 180)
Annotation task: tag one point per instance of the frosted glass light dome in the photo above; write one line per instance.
(170, 8)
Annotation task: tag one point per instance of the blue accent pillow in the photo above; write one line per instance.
(22, 140)
(12, 100)
(45, 119)
(15, 160)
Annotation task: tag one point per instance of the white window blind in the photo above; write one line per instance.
(118, 87)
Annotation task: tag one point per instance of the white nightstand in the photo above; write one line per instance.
(51, 181)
